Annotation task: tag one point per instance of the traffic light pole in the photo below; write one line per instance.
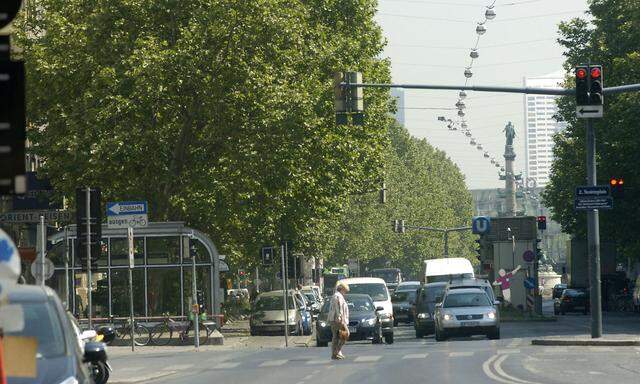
(593, 238)
(88, 223)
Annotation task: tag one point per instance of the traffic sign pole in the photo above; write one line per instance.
(131, 265)
(593, 236)
(88, 223)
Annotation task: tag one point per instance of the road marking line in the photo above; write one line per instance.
(596, 373)
(507, 351)
(514, 343)
(126, 369)
(460, 354)
(498, 367)
(177, 367)
(318, 362)
(415, 356)
(556, 350)
(307, 377)
(367, 359)
(486, 368)
(226, 365)
(273, 363)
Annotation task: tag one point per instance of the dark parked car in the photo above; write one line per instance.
(59, 355)
(364, 323)
(557, 290)
(426, 299)
(572, 300)
(403, 302)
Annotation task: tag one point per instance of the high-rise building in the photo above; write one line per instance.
(540, 126)
(398, 94)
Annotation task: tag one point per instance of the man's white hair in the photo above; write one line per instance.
(342, 286)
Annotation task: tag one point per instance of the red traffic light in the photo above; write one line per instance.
(581, 73)
(542, 218)
(613, 181)
(595, 72)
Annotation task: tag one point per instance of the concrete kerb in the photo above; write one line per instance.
(587, 342)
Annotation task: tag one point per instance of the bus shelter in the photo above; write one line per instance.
(162, 276)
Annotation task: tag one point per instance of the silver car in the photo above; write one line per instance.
(268, 314)
(466, 311)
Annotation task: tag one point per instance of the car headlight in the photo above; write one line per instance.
(491, 315)
(385, 316)
(369, 322)
(447, 316)
(423, 316)
(69, 380)
(322, 324)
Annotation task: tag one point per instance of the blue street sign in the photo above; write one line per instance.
(529, 283)
(122, 208)
(593, 191)
(480, 225)
(528, 256)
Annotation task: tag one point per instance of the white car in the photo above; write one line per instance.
(376, 288)
(466, 311)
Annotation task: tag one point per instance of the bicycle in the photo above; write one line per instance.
(141, 336)
(162, 333)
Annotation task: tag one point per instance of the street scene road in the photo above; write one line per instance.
(512, 359)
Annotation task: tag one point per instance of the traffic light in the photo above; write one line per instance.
(582, 85)
(479, 249)
(398, 226)
(617, 187)
(596, 96)
(268, 254)
(539, 253)
(542, 223)
(348, 99)
(13, 179)
(94, 216)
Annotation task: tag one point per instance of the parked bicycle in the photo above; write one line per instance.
(162, 333)
(141, 334)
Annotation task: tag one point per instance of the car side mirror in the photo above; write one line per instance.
(497, 302)
(95, 352)
(378, 309)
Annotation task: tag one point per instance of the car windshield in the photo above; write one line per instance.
(41, 322)
(377, 291)
(361, 304)
(430, 294)
(389, 276)
(272, 303)
(404, 296)
(474, 299)
(310, 296)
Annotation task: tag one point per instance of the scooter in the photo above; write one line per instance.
(100, 368)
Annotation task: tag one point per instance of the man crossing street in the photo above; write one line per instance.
(339, 318)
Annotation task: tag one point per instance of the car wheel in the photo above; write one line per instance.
(494, 334)
(388, 338)
(419, 334)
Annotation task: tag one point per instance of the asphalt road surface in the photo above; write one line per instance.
(511, 360)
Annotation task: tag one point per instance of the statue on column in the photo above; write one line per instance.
(509, 132)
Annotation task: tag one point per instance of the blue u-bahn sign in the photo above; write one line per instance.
(480, 225)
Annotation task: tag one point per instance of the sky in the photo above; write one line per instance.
(429, 42)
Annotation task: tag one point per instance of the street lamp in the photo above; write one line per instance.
(461, 105)
(462, 95)
(480, 29)
(490, 14)
(468, 73)
(461, 113)
(474, 53)
(512, 237)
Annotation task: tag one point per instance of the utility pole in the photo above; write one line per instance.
(88, 223)
(593, 235)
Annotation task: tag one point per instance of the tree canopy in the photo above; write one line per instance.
(609, 38)
(218, 112)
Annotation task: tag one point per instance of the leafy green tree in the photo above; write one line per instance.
(218, 112)
(425, 188)
(610, 38)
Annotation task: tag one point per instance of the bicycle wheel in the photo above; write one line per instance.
(141, 335)
(161, 334)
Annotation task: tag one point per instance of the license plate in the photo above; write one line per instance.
(352, 330)
(470, 323)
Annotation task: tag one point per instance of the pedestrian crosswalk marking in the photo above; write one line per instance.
(505, 351)
(367, 359)
(226, 365)
(460, 354)
(319, 362)
(514, 343)
(601, 349)
(556, 350)
(415, 356)
(273, 363)
(177, 367)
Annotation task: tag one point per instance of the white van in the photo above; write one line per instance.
(376, 288)
(436, 270)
